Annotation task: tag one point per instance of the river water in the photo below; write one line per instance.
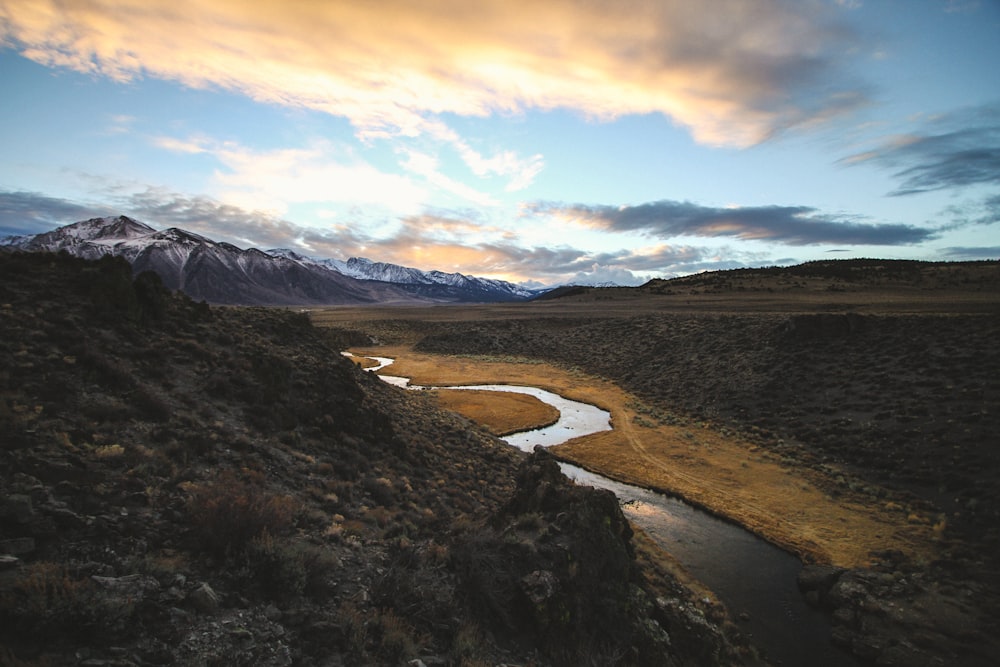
(753, 578)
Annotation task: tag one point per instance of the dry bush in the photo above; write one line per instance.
(229, 513)
(45, 604)
(286, 569)
(397, 639)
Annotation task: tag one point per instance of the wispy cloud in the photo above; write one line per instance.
(428, 167)
(275, 179)
(521, 171)
(792, 225)
(954, 151)
(733, 76)
(961, 254)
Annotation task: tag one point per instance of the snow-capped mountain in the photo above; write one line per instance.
(90, 239)
(222, 273)
(366, 269)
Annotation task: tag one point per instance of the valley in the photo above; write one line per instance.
(856, 433)
(188, 484)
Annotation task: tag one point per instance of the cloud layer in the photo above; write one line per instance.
(734, 72)
(424, 241)
(791, 225)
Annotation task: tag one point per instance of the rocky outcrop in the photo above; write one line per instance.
(900, 618)
(557, 565)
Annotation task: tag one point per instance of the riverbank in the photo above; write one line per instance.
(871, 395)
(881, 570)
(708, 467)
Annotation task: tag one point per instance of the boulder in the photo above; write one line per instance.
(204, 599)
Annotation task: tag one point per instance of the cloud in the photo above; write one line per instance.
(23, 213)
(275, 179)
(450, 243)
(427, 241)
(428, 167)
(733, 74)
(792, 225)
(973, 212)
(958, 150)
(964, 254)
(521, 171)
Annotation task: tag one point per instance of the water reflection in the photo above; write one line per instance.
(753, 578)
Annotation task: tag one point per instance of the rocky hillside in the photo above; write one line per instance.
(184, 485)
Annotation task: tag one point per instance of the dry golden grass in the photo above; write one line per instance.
(502, 413)
(728, 476)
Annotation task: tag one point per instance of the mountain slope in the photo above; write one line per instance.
(225, 274)
(183, 485)
(426, 283)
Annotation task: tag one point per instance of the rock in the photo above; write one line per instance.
(850, 589)
(242, 637)
(204, 599)
(815, 581)
(540, 586)
(17, 508)
(17, 546)
(65, 518)
(433, 661)
(129, 589)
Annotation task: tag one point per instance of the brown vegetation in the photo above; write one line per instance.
(502, 413)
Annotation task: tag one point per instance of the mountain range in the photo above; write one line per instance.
(222, 273)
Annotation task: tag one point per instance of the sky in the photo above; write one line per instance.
(544, 143)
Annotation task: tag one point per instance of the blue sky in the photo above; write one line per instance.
(542, 143)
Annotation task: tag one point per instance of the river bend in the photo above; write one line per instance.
(753, 578)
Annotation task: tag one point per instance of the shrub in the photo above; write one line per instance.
(288, 569)
(275, 567)
(396, 638)
(151, 297)
(229, 513)
(111, 293)
(47, 605)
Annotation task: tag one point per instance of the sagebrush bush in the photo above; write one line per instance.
(285, 569)
(47, 602)
(229, 513)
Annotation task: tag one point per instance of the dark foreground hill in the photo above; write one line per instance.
(182, 485)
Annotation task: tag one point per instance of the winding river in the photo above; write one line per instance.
(753, 578)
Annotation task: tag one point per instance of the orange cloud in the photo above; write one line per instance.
(733, 72)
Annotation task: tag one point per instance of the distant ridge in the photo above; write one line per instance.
(826, 276)
(222, 273)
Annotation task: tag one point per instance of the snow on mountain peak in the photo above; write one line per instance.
(170, 251)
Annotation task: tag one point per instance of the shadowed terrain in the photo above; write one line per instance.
(186, 485)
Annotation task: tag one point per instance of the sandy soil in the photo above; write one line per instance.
(715, 470)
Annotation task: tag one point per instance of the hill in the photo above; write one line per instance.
(863, 285)
(187, 485)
